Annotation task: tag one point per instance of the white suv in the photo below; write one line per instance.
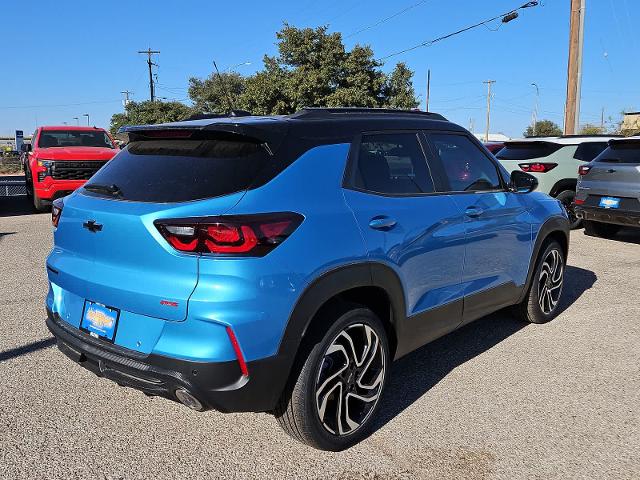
(554, 161)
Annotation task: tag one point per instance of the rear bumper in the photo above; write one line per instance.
(216, 385)
(608, 215)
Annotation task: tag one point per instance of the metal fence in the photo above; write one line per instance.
(12, 188)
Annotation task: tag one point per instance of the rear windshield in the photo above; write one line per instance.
(527, 150)
(74, 138)
(621, 153)
(179, 170)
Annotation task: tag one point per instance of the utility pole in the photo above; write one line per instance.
(534, 117)
(602, 121)
(489, 83)
(428, 89)
(126, 100)
(148, 53)
(574, 68)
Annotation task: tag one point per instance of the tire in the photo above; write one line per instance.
(598, 229)
(314, 408)
(41, 205)
(567, 197)
(28, 186)
(540, 305)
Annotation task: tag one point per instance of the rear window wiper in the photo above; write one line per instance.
(112, 189)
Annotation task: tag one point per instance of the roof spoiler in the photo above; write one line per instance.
(271, 135)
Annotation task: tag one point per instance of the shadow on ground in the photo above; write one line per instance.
(415, 374)
(28, 348)
(13, 206)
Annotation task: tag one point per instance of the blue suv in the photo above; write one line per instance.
(280, 264)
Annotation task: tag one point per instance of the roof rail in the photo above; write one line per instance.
(320, 113)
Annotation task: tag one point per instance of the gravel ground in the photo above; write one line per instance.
(496, 399)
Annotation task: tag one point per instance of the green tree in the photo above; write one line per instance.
(544, 128)
(148, 112)
(216, 93)
(312, 69)
(590, 129)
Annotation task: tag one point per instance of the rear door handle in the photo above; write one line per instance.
(382, 223)
(473, 212)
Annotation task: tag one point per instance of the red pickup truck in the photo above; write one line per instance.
(61, 159)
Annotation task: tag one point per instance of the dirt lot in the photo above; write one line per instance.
(496, 399)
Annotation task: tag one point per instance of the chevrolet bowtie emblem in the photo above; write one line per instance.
(92, 226)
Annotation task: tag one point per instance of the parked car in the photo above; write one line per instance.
(280, 264)
(608, 194)
(61, 159)
(554, 161)
(494, 147)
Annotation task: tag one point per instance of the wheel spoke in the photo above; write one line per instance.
(349, 384)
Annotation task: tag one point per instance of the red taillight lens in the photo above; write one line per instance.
(56, 211)
(250, 235)
(584, 169)
(537, 167)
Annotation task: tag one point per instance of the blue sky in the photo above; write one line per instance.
(73, 57)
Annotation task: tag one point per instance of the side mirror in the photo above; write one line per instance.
(522, 182)
(26, 147)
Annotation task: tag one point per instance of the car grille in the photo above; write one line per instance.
(75, 170)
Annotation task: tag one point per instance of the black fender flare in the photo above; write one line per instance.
(328, 285)
(555, 225)
(562, 185)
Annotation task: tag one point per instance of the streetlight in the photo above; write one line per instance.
(534, 117)
(86, 115)
(77, 120)
(233, 67)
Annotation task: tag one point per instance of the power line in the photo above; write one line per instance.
(506, 17)
(386, 19)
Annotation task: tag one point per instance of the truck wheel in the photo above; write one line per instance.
(331, 403)
(540, 305)
(567, 197)
(599, 229)
(41, 205)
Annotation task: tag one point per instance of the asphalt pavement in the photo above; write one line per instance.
(496, 399)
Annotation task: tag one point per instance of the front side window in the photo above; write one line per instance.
(392, 163)
(464, 164)
(74, 138)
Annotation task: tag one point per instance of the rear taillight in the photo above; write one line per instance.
(584, 169)
(246, 235)
(537, 167)
(56, 211)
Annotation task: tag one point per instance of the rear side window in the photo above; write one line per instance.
(393, 164)
(466, 167)
(588, 151)
(527, 150)
(178, 170)
(628, 152)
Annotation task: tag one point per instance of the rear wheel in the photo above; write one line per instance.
(28, 185)
(540, 305)
(331, 403)
(567, 197)
(598, 229)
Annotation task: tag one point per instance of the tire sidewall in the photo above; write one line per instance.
(536, 315)
(324, 439)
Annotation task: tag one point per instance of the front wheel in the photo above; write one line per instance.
(331, 403)
(567, 198)
(540, 305)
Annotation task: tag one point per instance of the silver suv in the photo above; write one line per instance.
(554, 161)
(608, 193)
